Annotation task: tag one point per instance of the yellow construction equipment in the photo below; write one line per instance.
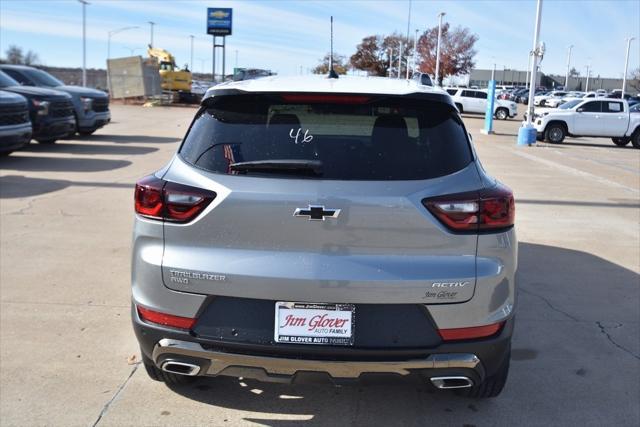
(173, 78)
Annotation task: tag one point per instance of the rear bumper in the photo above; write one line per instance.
(473, 359)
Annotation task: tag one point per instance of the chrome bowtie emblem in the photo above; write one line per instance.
(317, 213)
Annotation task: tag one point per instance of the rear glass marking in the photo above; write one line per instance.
(296, 137)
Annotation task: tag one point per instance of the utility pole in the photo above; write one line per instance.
(191, 62)
(566, 79)
(440, 15)
(151, 23)
(84, 41)
(626, 65)
(408, 42)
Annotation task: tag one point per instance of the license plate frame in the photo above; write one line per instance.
(309, 327)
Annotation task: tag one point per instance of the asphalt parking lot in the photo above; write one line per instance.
(68, 355)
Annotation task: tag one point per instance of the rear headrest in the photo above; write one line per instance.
(285, 119)
(390, 129)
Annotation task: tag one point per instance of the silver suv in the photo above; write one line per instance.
(313, 225)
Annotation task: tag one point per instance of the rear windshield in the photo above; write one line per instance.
(354, 138)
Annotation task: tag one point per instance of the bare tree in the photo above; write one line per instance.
(634, 79)
(31, 58)
(15, 55)
(339, 64)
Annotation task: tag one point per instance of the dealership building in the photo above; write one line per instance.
(507, 77)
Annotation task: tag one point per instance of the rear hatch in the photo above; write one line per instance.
(319, 199)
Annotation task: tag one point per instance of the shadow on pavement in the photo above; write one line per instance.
(566, 299)
(59, 164)
(575, 143)
(78, 148)
(134, 138)
(16, 186)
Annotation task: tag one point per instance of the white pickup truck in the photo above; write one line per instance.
(599, 117)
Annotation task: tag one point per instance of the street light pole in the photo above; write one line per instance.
(400, 62)
(586, 86)
(440, 15)
(566, 79)
(626, 65)
(390, 62)
(415, 53)
(84, 41)
(151, 23)
(191, 62)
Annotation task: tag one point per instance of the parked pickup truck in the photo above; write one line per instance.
(600, 117)
(15, 126)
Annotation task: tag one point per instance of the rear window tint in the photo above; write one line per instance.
(389, 138)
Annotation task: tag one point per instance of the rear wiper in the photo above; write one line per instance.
(303, 167)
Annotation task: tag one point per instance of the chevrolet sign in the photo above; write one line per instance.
(219, 21)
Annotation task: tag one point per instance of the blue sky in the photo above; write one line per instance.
(285, 35)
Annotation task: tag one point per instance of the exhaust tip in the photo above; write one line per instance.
(180, 368)
(444, 383)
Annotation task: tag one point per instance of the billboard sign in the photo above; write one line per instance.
(219, 21)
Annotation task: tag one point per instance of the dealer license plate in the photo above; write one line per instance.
(310, 323)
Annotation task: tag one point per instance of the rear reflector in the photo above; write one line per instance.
(165, 319)
(325, 99)
(488, 209)
(169, 201)
(470, 333)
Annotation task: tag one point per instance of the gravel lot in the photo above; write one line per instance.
(68, 355)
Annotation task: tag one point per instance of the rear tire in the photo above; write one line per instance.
(158, 374)
(621, 142)
(46, 141)
(502, 114)
(490, 387)
(86, 132)
(555, 133)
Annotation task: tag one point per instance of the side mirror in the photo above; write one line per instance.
(580, 110)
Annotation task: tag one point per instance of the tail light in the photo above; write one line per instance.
(169, 201)
(165, 319)
(470, 333)
(490, 209)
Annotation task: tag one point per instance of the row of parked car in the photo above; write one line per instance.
(554, 98)
(36, 105)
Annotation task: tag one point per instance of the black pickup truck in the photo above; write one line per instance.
(50, 111)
